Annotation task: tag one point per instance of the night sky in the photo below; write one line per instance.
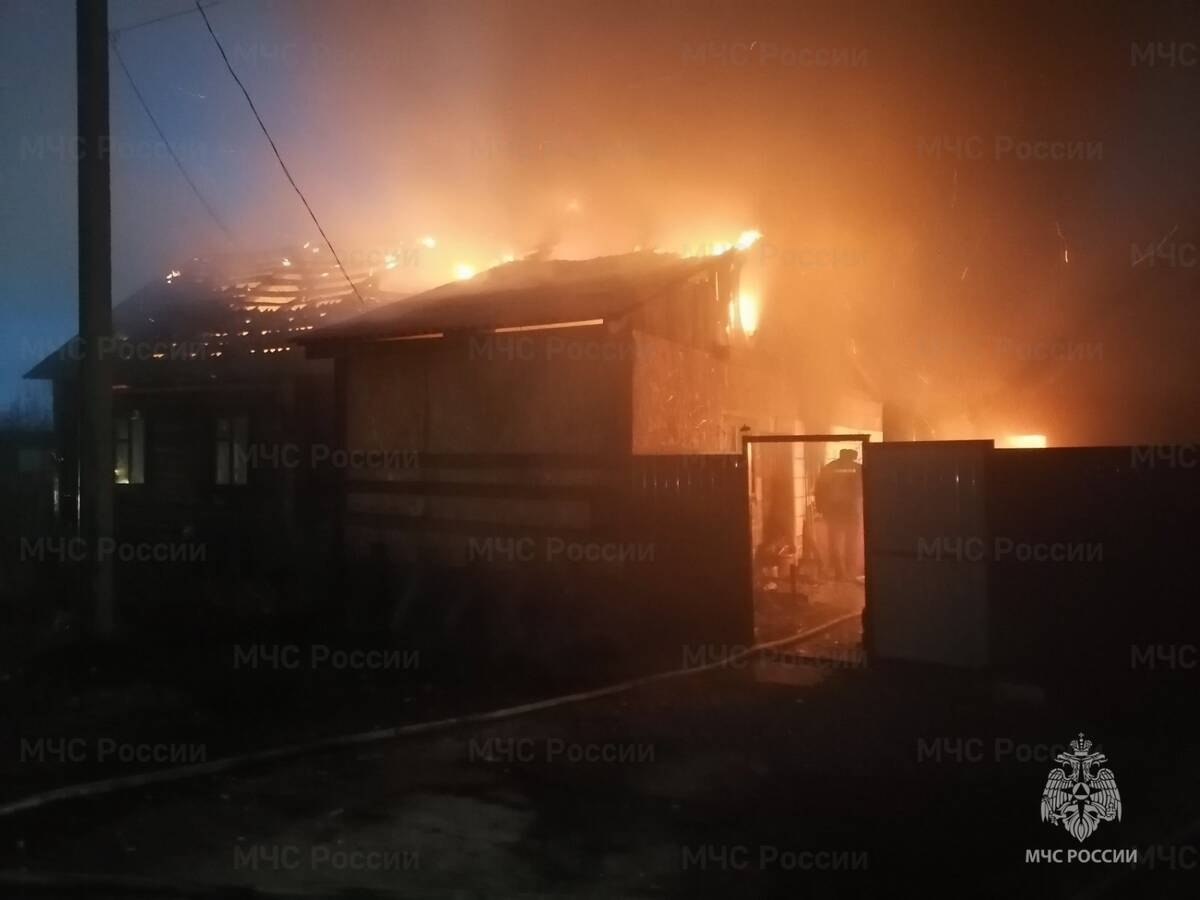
(878, 147)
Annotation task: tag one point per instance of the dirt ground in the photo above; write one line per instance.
(779, 612)
(838, 781)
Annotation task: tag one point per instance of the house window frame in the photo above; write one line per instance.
(129, 449)
(231, 444)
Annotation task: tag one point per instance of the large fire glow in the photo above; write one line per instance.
(747, 307)
(420, 263)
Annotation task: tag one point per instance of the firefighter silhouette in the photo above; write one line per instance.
(838, 497)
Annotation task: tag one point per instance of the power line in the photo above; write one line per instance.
(114, 32)
(171, 150)
(275, 149)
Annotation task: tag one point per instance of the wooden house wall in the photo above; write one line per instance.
(561, 391)
(686, 400)
(285, 496)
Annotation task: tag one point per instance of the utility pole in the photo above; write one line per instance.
(95, 431)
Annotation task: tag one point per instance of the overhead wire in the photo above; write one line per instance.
(157, 19)
(278, 155)
(162, 136)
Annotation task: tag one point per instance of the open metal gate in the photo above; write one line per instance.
(925, 520)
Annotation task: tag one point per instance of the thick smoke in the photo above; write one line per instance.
(949, 201)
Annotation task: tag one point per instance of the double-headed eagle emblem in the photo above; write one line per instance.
(1078, 798)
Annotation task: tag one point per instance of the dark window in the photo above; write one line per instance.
(129, 449)
(232, 449)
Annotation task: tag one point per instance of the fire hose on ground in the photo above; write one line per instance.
(291, 751)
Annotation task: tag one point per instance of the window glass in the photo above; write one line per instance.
(129, 449)
(137, 449)
(241, 430)
(233, 436)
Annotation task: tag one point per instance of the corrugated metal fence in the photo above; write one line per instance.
(621, 562)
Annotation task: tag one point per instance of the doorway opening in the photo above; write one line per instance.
(805, 528)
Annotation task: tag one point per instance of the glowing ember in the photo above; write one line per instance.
(462, 271)
(1022, 441)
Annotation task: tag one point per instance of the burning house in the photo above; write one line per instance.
(223, 431)
(634, 354)
(562, 436)
(529, 443)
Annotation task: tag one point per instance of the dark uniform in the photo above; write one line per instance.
(839, 501)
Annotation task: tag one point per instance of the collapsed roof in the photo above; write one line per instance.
(201, 324)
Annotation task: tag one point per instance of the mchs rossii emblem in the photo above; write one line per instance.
(1078, 796)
